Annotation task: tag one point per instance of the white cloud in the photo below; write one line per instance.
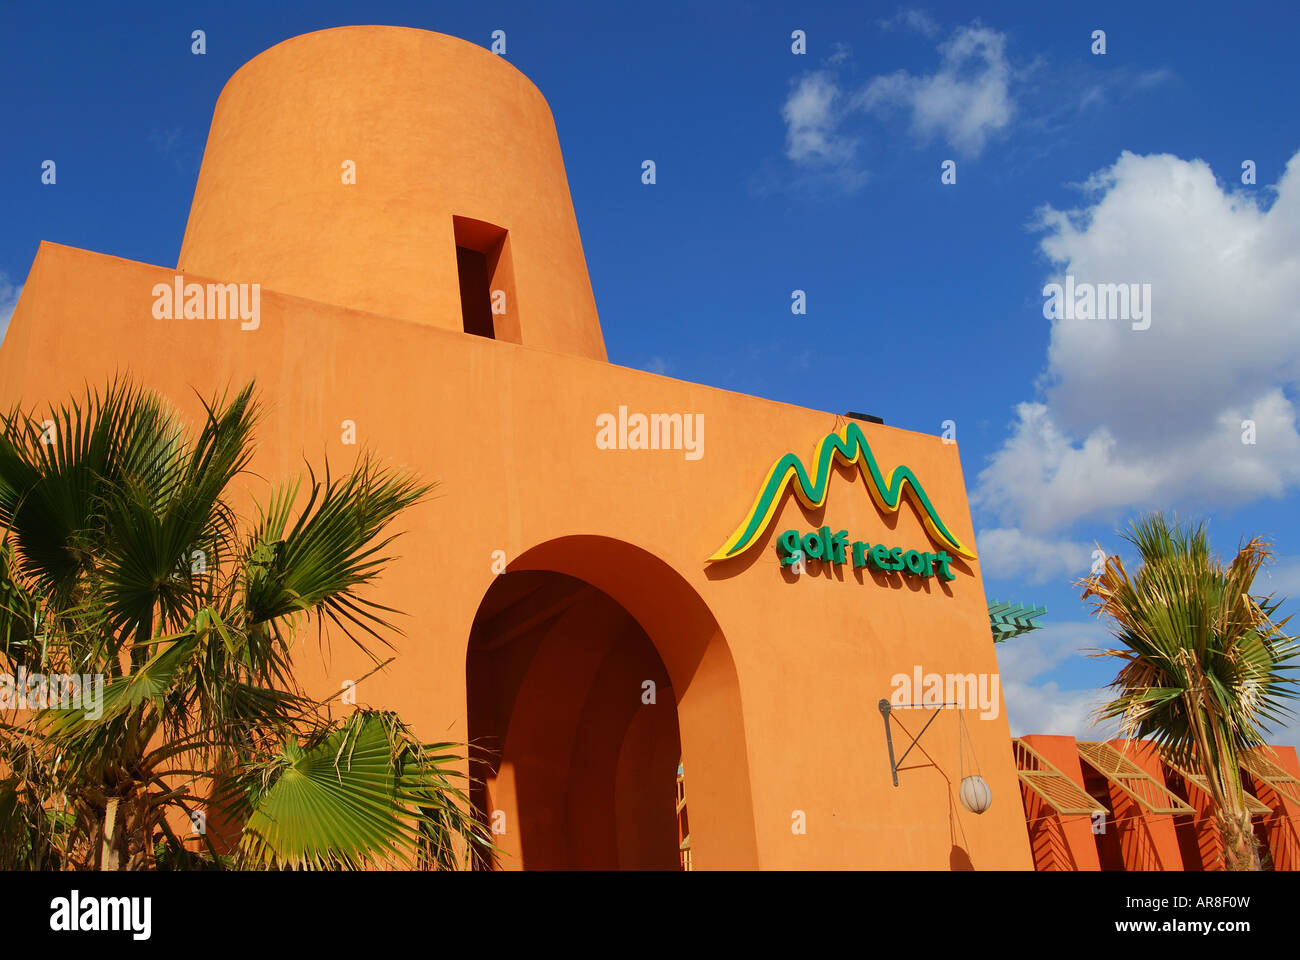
(1006, 552)
(1285, 736)
(1042, 706)
(912, 19)
(1154, 78)
(9, 295)
(814, 113)
(1038, 705)
(1043, 479)
(1281, 578)
(659, 365)
(1121, 84)
(1133, 418)
(811, 121)
(1047, 709)
(966, 101)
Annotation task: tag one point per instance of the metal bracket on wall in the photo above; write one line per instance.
(889, 736)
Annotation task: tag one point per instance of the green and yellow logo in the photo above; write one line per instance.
(849, 447)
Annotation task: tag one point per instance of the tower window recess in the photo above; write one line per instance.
(487, 285)
(475, 292)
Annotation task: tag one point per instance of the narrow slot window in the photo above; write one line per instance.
(475, 292)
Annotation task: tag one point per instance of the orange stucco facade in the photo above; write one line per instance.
(560, 612)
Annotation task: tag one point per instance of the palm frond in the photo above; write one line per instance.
(334, 547)
(362, 793)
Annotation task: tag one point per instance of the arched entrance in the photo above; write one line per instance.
(572, 713)
(592, 669)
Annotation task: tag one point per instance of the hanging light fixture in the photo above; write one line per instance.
(975, 794)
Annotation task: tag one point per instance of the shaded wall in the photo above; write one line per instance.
(1280, 830)
(579, 769)
(1059, 842)
(1148, 841)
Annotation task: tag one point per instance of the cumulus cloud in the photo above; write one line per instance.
(1132, 418)
(912, 19)
(1282, 579)
(1048, 709)
(812, 121)
(966, 101)
(1039, 705)
(1007, 552)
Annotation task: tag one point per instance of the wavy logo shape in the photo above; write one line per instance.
(849, 447)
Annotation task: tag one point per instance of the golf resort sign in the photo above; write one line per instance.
(847, 447)
(833, 548)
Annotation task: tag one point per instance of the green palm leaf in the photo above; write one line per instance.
(360, 795)
(333, 548)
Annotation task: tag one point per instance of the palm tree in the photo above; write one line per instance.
(1204, 661)
(122, 557)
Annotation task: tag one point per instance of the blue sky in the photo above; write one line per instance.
(821, 172)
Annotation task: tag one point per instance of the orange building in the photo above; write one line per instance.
(1117, 805)
(622, 575)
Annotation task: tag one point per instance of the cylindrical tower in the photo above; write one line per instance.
(400, 172)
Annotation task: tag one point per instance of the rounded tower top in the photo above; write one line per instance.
(400, 172)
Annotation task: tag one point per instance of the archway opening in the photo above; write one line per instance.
(573, 725)
(593, 585)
